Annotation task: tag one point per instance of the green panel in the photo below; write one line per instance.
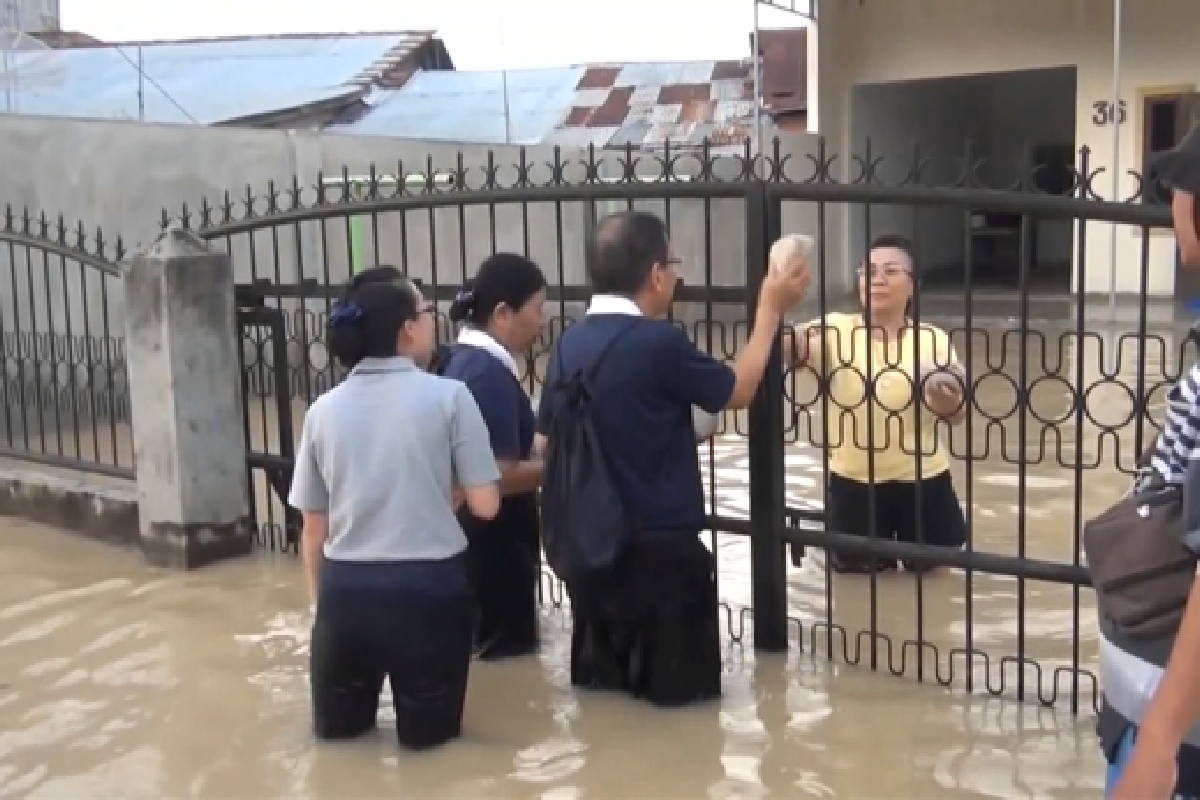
(358, 249)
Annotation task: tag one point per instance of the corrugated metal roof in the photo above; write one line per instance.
(606, 105)
(470, 106)
(677, 102)
(212, 81)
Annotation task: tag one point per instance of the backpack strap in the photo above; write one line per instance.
(594, 369)
(591, 372)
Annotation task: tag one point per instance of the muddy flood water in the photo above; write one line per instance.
(120, 681)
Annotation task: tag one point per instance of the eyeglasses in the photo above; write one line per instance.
(672, 262)
(885, 271)
(428, 308)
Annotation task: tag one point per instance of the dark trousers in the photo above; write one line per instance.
(409, 623)
(505, 565)
(896, 514)
(650, 629)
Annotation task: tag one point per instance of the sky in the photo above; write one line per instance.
(506, 34)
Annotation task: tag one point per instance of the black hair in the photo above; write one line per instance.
(895, 240)
(366, 322)
(502, 278)
(622, 251)
(904, 245)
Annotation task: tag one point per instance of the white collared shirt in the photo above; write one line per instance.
(473, 337)
(613, 304)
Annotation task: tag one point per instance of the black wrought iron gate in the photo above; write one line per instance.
(436, 224)
(263, 356)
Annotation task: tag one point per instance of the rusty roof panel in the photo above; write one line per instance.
(609, 115)
(729, 135)
(548, 106)
(682, 92)
(622, 95)
(731, 70)
(697, 111)
(578, 116)
(598, 78)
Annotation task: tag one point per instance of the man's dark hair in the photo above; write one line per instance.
(897, 241)
(622, 251)
(375, 305)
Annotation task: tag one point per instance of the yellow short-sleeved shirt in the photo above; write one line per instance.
(892, 433)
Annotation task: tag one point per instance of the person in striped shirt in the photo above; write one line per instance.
(1150, 722)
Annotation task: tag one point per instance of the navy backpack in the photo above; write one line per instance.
(586, 527)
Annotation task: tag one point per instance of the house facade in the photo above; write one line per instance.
(1015, 78)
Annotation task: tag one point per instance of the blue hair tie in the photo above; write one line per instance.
(345, 314)
(464, 295)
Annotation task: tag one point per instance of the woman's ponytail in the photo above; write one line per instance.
(463, 307)
(346, 334)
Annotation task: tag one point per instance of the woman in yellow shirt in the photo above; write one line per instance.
(877, 434)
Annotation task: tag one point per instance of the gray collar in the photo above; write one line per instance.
(383, 366)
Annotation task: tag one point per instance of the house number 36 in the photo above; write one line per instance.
(1103, 114)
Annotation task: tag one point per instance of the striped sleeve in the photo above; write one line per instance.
(1177, 443)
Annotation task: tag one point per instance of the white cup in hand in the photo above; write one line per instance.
(790, 252)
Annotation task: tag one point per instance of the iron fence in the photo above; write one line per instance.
(1059, 402)
(62, 349)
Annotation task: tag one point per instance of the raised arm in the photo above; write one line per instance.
(780, 292)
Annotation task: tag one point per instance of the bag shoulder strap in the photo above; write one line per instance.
(594, 369)
(589, 374)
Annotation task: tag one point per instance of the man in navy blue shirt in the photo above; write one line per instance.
(654, 631)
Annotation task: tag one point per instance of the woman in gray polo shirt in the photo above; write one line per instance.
(383, 459)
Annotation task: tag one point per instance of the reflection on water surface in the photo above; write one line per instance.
(119, 681)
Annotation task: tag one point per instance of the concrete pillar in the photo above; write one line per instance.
(186, 394)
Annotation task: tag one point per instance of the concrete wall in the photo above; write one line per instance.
(120, 176)
(905, 40)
